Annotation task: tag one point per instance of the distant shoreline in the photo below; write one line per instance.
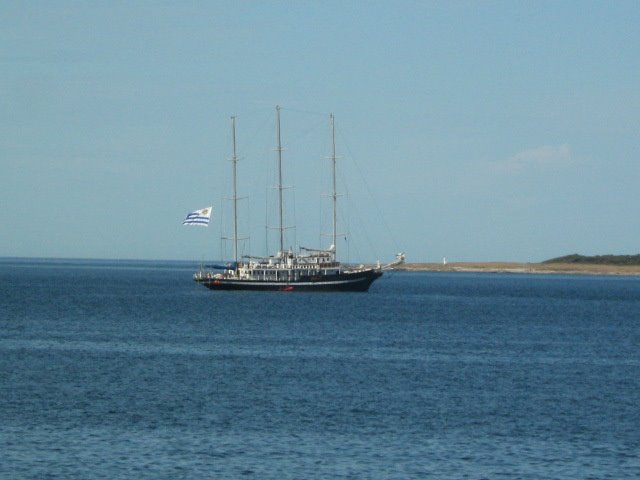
(469, 267)
(516, 267)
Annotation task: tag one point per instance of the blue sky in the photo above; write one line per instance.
(473, 130)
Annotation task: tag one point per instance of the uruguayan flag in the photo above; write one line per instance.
(199, 217)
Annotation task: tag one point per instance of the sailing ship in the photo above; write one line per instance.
(304, 270)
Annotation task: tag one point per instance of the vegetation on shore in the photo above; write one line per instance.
(597, 259)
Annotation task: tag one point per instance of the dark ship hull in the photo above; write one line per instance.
(357, 281)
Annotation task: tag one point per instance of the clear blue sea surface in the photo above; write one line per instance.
(119, 370)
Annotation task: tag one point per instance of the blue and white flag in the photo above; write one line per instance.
(199, 217)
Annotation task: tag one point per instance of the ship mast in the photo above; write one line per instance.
(234, 161)
(280, 187)
(334, 194)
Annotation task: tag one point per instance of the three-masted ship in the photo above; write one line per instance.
(304, 270)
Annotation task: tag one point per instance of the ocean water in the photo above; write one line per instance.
(130, 370)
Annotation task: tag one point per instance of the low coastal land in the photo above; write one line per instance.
(514, 267)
